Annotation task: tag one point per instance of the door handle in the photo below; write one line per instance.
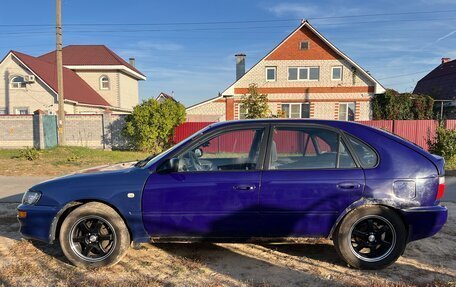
(244, 187)
(348, 185)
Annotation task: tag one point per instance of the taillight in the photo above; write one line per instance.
(441, 188)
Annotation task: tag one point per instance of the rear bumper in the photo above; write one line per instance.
(37, 224)
(424, 221)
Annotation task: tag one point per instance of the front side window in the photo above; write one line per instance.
(347, 111)
(104, 83)
(303, 73)
(308, 148)
(18, 82)
(271, 74)
(236, 150)
(367, 156)
(296, 110)
(336, 73)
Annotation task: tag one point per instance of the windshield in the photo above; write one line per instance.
(150, 160)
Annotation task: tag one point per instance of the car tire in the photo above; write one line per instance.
(370, 237)
(94, 235)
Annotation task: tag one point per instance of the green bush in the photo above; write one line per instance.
(443, 143)
(255, 104)
(29, 153)
(150, 127)
(393, 105)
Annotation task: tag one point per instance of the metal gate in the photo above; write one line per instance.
(50, 131)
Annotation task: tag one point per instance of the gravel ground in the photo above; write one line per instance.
(428, 262)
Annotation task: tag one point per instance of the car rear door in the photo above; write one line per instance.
(215, 192)
(309, 179)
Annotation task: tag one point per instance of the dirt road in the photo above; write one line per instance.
(429, 262)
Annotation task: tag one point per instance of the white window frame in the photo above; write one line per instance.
(21, 85)
(108, 81)
(308, 74)
(346, 114)
(341, 73)
(17, 110)
(239, 112)
(300, 109)
(300, 45)
(275, 74)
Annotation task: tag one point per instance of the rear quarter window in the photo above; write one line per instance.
(367, 155)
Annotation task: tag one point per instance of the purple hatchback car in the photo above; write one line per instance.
(368, 190)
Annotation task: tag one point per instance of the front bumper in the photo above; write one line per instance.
(38, 221)
(424, 221)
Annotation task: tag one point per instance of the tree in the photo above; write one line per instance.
(151, 125)
(255, 104)
(393, 105)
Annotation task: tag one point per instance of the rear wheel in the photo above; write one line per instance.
(370, 237)
(94, 235)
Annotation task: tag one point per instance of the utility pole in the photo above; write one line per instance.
(58, 34)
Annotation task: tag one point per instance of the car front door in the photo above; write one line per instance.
(214, 192)
(310, 178)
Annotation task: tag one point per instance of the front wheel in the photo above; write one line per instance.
(370, 237)
(94, 235)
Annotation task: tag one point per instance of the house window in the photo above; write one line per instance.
(104, 83)
(347, 111)
(296, 111)
(2, 111)
(21, 111)
(304, 45)
(242, 112)
(18, 82)
(336, 73)
(303, 73)
(271, 73)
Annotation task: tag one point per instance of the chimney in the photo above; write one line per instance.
(240, 65)
(444, 60)
(132, 61)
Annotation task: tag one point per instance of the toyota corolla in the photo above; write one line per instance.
(369, 191)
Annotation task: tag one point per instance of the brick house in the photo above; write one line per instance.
(440, 84)
(95, 79)
(305, 76)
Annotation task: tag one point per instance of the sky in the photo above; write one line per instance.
(188, 47)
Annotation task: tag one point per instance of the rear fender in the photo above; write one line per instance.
(395, 204)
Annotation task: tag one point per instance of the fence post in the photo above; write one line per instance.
(38, 129)
(107, 137)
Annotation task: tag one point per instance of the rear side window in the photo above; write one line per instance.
(367, 156)
(308, 148)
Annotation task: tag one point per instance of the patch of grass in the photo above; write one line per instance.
(61, 160)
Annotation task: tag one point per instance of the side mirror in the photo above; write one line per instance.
(198, 152)
(168, 166)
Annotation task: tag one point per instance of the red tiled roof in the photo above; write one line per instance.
(74, 88)
(88, 55)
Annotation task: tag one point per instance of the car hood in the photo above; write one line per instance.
(107, 167)
(101, 179)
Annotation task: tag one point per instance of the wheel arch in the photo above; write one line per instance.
(364, 202)
(69, 207)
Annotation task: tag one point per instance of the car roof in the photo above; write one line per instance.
(281, 121)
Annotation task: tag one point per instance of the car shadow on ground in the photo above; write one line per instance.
(241, 266)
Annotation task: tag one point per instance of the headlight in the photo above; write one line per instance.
(31, 197)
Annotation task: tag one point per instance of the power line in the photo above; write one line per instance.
(235, 22)
(403, 75)
(211, 28)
